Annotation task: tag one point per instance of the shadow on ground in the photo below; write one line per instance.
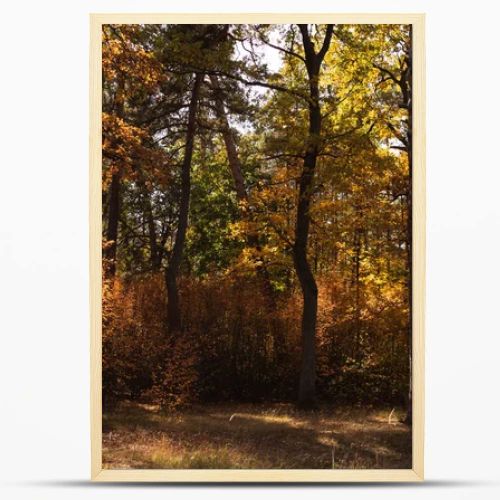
(255, 437)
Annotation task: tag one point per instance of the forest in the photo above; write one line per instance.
(256, 246)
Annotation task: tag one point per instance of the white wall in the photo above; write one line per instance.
(44, 449)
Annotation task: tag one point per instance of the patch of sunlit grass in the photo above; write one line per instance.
(252, 436)
(211, 458)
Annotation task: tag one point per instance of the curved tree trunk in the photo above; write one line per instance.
(173, 306)
(307, 385)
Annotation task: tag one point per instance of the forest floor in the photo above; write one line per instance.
(241, 436)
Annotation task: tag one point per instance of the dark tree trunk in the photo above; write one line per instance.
(409, 247)
(307, 385)
(173, 306)
(356, 348)
(114, 198)
(155, 256)
(406, 81)
(112, 225)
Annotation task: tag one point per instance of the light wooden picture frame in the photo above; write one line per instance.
(416, 473)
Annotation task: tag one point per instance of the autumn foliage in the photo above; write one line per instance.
(240, 336)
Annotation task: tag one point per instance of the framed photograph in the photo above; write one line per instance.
(257, 247)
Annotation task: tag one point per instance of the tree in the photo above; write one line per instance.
(174, 311)
(313, 60)
(398, 73)
(229, 141)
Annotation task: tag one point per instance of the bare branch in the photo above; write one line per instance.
(277, 47)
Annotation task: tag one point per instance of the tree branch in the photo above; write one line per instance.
(277, 47)
(306, 40)
(390, 74)
(326, 42)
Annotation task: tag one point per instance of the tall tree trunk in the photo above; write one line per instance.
(227, 134)
(155, 256)
(409, 247)
(409, 264)
(356, 348)
(112, 224)
(114, 197)
(173, 307)
(404, 82)
(307, 384)
(313, 60)
(407, 96)
(242, 195)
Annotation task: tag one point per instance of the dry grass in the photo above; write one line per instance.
(254, 436)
